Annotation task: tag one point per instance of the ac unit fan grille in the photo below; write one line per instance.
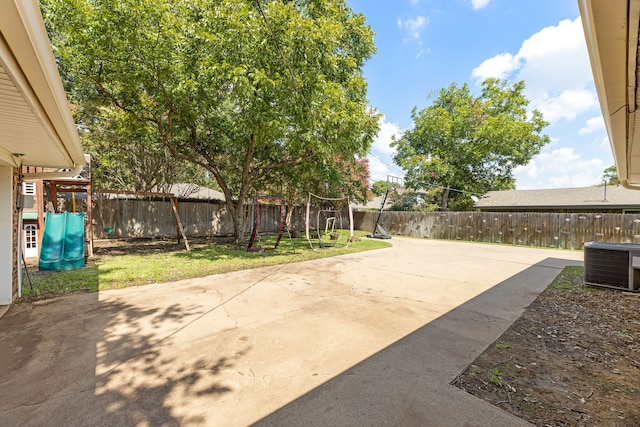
(606, 267)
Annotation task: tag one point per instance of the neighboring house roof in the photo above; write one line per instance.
(376, 203)
(562, 198)
(36, 127)
(193, 191)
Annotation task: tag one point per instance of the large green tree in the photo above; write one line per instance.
(470, 143)
(127, 155)
(347, 175)
(610, 175)
(379, 187)
(241, 88)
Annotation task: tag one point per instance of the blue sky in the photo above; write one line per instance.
(424, 45)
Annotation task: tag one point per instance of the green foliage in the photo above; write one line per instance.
(571, 278)
(379, 187)
(470, 143)
(259, 94)
(503, 345)
(610, 175)
(59, 282)
(406, 201)
(127, 154)
(409, 200)
(342, 175)
(494, 377)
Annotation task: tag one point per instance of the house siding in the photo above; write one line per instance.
(8, 235)
(16, 232)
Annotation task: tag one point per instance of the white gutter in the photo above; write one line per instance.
(55, 175)
(589, 28)
(614, 93)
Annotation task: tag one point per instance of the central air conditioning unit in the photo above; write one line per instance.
(612, 265)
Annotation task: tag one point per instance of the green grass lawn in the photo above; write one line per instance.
(142, 267)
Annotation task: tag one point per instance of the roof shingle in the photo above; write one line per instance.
(562, 198)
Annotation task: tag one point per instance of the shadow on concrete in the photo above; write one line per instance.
(408, 383)
(78, 361)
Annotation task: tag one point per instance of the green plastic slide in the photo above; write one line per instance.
(62, 242)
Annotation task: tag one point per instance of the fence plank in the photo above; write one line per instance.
(153, 218)
(537, 229)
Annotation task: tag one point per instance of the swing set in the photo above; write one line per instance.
(73, 186)
(331, 226)
(110, 227)
(269, 214)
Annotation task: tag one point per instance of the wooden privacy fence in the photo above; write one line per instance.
(548, 230)
(140, 218)
(121, 218)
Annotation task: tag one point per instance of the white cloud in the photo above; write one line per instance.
(603, 144)
(378, 171)
(479, 4)
(555, 67)
(421, 50)
(592, 125)
(555, 59)
(382, 142)
(413, 27)
(568, 105)
(499, 66)
(381, 157)
(559, 168)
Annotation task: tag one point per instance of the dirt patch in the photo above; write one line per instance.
(571, 359)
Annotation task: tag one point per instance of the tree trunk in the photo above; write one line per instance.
(238, 218)
(445, 199)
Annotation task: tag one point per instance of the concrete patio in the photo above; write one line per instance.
(370, 338)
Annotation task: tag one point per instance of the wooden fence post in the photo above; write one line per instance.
(174, 205)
